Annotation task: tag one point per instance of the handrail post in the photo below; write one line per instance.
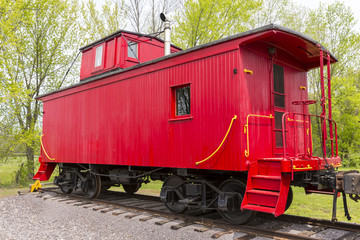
(284, 132)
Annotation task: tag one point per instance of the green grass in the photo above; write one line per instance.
(152, 188)
(320, 206)
(8, 171)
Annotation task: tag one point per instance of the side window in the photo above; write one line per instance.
(181, 101)
(132, 49)
(98, 56)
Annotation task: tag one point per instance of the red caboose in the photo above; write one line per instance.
(225, 125)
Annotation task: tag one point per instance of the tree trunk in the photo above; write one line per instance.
(30, 161)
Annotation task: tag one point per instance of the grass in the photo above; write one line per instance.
(312, 205)
(8, 171)
(320, 206)
(152, 188)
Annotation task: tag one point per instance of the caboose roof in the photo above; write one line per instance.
(119, 33)
(296, 44)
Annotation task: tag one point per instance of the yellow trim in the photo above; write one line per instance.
(291, 120)
(248, 71)
(246, 130)
(227, 133)
(42, 146)
(35, 186)
(302, 168)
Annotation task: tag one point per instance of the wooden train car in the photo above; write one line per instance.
(225, 125)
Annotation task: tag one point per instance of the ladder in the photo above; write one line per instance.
(267, 187)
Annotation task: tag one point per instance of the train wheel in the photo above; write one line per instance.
(289, 198)
(131, 188)
(66, 190)
(91, 186)
(234, 214)
(174, 206)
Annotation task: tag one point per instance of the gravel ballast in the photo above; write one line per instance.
(29, 217)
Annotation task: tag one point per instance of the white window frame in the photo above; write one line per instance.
(99, 56)
(130, 54)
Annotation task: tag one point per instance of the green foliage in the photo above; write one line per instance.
(334, 27)
(35, 56)
(202, 21)
(97, 24)
(282, 12)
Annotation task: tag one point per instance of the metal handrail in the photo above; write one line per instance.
(310, 134)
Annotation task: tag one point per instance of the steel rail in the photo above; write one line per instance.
(353, 227)
(197, 219)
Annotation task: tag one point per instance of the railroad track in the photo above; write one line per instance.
(137, 206)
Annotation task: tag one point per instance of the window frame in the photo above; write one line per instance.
(101, 66)
(132, 59)
(173, 103)
(279, 93)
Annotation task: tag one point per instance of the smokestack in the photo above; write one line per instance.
(166, 21)
(167, 37)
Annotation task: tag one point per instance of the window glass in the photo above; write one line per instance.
(278, 120)
(182, 101)
(279, 100)
(279, 79)
(132, 49)
(98, 56)
(278, 139)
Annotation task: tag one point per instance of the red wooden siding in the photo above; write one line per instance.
(127, 118)
(128, 122)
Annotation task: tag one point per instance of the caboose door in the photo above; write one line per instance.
(278, 106)
(287, 90)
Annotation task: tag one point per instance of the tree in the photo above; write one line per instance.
(36, 64)
(282, 12)
(202, 21)
(135, 13)
(154, 23)
(97, 24)
(12, 15)
(334, 27)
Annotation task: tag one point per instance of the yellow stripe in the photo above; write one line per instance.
(227, 133)
(246, 130)
(42, 146)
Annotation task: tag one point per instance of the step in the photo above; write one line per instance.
(263, 192)
(269, 166)
(258, 208)
(267, 177)
(265, 182)
(265, 198)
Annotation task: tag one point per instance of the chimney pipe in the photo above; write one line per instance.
(166, 20)
(167, 37)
